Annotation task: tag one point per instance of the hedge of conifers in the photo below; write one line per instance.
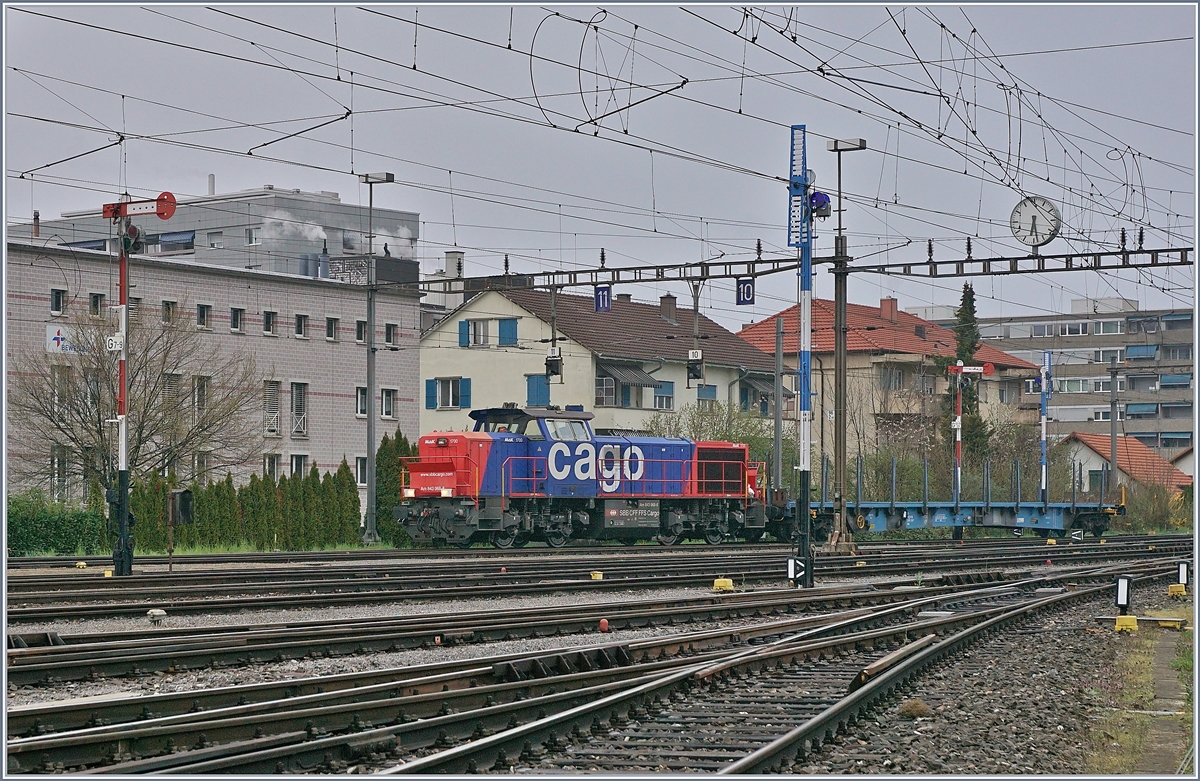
(301, 512)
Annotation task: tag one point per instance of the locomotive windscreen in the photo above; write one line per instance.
(720, 470)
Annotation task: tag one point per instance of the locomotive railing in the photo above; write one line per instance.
(630, 477)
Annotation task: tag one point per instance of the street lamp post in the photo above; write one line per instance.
(370, 528)
(840, 272)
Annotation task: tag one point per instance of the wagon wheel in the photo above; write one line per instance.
(464, 544)
(628, 540)
(669, 539)
(506, 538)
(713, 535)
(556, 539)
(755, 535)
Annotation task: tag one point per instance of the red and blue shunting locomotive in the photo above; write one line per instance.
(542, 474)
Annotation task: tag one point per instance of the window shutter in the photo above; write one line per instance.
(508, 331)
(537, 390)
(430, 394)
(464, 393)
(464, 333)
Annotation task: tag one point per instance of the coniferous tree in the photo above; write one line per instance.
(348, 509)
(967, 341)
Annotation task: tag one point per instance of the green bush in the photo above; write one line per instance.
(38, 525)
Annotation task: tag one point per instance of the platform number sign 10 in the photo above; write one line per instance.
(603, 298)
(745, 291)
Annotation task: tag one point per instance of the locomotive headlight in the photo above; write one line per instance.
(447, 492)
(409, 493)
(443, 442)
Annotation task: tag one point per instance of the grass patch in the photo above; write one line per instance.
(1117, 738)
(1184, 663)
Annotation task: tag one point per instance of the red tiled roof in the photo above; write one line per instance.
(869, 332)
(1135, 459)
(638, 331)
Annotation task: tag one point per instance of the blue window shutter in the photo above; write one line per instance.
(508, 331)
(464, 333)
(624, 395)
(706, 392)
(537, 390)
(430, 394)
(464, 393)
(667, 389)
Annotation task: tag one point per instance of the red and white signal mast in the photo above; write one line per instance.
(129, 238)
(987, 370)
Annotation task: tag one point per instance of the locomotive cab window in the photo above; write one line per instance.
(568, 430)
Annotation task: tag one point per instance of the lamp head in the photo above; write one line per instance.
(379, 178)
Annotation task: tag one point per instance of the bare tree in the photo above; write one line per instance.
(191, 403)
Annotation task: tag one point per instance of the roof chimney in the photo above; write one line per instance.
(888, 308)
(212, 184)
(667, 307)
(625, 298)
(37, 224)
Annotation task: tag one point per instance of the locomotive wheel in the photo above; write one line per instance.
(630, 541)
(464, 544)
(556, 539)
(506, 538)
(755, 535)
(713, 536)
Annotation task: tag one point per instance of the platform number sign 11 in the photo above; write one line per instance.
(745, 291)
(603, 298)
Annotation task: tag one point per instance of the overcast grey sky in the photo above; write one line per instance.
(495, 141)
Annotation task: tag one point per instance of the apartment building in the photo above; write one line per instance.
(1154, 351)
(307, 337)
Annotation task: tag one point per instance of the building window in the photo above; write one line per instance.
(706, 397)
(1176, 439)
(301, 326)
(449, 395)
(360, 470)
(271, 408)
(271, 465)
(1072, 329)
(1106, 356)
(891, 378)
(537, 390)
(235, 319)
(664, 396)
(1002, 395)
(472, 333)
(360, 331)
(60, 388)
(1033, 387)
(1143, 382)
(58, 301)
(631, 396)
(199, 397)
(1073, 385)
(331, 328)
(1106, 414)
(253, 236)
(1141, 411)
(135, 309)
(96, 304)
(1177, 352)
(168, 311)
(1141, 325)
(91, 382)
(200, 466)
(299, 464)
(387, 403)
(59, 466)
(1177, 322)
(299, 409)
(606, 392)
(1105, 385)
(269, 323)
(1105, 327)
(390, 332)
(203, 316)
(361, 406)
(216, 240)
(1043, 329)
(1180, 410)
(170, 391)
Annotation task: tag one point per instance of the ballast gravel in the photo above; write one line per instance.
(1019, 703)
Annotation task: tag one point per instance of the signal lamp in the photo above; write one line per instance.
(554, 364)
(695, 365)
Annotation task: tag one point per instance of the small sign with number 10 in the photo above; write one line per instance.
(745, 291)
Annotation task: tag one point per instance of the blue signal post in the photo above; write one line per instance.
(800, 235)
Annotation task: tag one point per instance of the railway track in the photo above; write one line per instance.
(536, 712)
(80, 595)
